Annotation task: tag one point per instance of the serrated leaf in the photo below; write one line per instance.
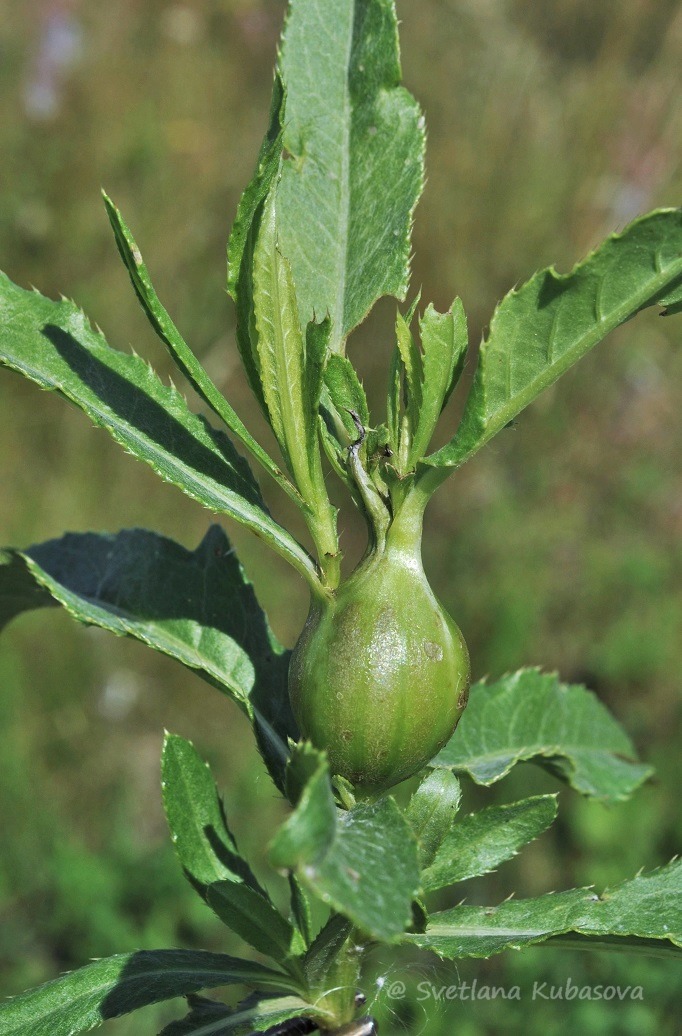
(343, 858)
(256, 1014)
(326, 948)
(196, 818)
(432, 811)
(195, 606)
(355, 172)
(52, 344)
(444, 342)
(300, 910)
(479, 842)
(530, 715)
(243, 239)
(541, 329)
(412, 368)
(121, 984)
(644, 914)
(184, 357)
(346, 393)
(251, 914)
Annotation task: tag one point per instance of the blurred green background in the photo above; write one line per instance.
(549, 126)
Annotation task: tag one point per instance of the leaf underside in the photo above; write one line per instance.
(530, 715)
(195, 606)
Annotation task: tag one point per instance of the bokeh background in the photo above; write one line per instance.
(549, 126)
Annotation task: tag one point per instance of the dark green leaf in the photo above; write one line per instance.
(118, 985)
(432, 811)
(531, 715)
(344, 858)
(53, 344)
(642, 914)
(300, 910)
(542, 328)
(480, 841)
(355, 140)
(251, 914)
(326, 948)
(196, 606)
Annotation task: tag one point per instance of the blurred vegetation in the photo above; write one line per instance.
(549, 126)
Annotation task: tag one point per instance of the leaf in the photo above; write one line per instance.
(257, 1013)
(118, 985)
(251, 914)
(432, 811)
(346, 393)
(52, 344)
(291, 366)
(355, 141)
(243, 239)
(196, 818)
(326, 948)
(178, 348)
(479, 842)
(300, 910)
(565, 728)
(344, 859)
(195, 606)
(644, 914)
(541, 329)
(444, 343)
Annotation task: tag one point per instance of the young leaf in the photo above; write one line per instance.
(481, 841)
(180, 351)
(252, 915)
(255, 1014)
(243, 239)
(541, 329)
(643, 914)
(195, 606)
(444, 344)
(326, 948)
(53, 344)
(118, 985)
(432, 811)
(196, 818)
(356, 141)
(346, 393)
(531, 715)
(343, 859)
(300, 910)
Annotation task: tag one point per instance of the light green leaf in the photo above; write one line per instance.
(196, 818)
(565, 728)
(644, 914)
(346, 393)
(195, 606)
(251, 914)
(355, 172)
(481, 841)
(444, 343)
(344, 858)
(178, 348)
(255, 1014)
(432, 811)
(52, 344)
(541, 329)
(118, 985)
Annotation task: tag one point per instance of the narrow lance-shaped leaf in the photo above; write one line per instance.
(344, 858)
(643, 914)
(118, 985)
(480, 842)
(195, 606)
(530, 715)
(541, 329)
(355, 140)
(52, 344)
(178, 348)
